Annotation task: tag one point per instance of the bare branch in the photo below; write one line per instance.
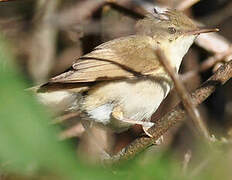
(218, 16)
(185, 4)
(65, 117)
(43, 48)
(211, 61)
(7, 0)
(183, 94)
(200, 167)
(75, 131)
(77, 13)
(213, 42)
(186, 161)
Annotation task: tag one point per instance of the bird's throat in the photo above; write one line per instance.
(176, 50)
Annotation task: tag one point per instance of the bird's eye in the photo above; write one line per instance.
(171, 30)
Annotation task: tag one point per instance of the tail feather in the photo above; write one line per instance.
(72, 87)
(60, 96)
(60, 101)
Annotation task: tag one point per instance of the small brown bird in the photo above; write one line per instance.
(121, 82)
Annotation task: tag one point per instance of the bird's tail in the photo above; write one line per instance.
(58, 97)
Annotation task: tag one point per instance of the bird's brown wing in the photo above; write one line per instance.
(121, 58)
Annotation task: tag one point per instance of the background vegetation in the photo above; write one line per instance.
(39, 39)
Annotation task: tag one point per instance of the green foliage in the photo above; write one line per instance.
(28, 142)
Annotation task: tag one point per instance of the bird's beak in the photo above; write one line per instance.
(200, 31)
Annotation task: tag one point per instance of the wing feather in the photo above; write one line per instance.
(121, 58)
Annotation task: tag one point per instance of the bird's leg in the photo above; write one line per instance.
(148, 126)
(158, 141)
(117, 113)
(145, 129)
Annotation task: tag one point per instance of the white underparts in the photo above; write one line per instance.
(102, 113)
(138, 99)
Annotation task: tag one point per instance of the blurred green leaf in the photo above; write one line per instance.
(27, 142)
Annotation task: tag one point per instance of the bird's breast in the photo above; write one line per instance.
(138, 99)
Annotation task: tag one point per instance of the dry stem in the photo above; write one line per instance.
(211, 61)
(183, 94)
(185, 4)
(43, 49)
(187, 158)
(77, 13)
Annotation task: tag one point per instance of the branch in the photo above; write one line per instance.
(183, 94)
(77, 13)
(213, 42)
(177, 115)
(185, 4)
(7, 0)
(43, 41)
(211, 61)
(219, 16)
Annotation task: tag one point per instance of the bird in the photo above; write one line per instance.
(121, 82)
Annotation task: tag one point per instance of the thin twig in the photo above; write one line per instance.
(185, 4)
(211, 61)
(75, 131)
(76, 16)
(208, 63)
(77, 13)
(200, 167)
(44, 38)
(183, 94)
(186, 161)
(7, 0)
(97, 142)
(65, 117)
(218, 16)
(177, 115)
(213, 42)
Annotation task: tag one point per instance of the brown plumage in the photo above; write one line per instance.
(123, 80)
(126, 57)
